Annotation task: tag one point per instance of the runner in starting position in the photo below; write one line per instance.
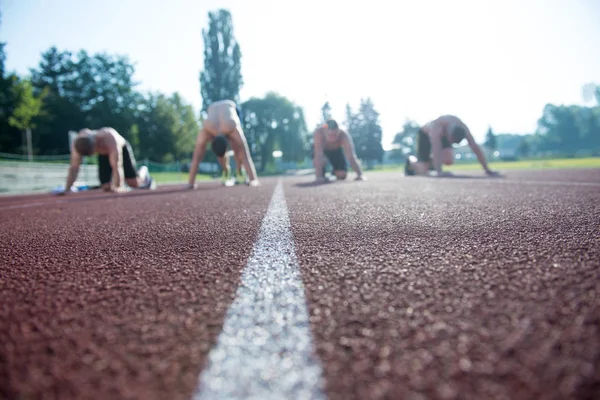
(333, 143)
(222, 127)
(116, 162)
(434, 147)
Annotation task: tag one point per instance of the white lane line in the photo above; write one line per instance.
(265, 349)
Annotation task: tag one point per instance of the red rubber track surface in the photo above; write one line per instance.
(120, 296)
(417, 288)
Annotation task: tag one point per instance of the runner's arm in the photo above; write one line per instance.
(350, 153)
(478, 152)
(199, 150)
(73, 169)
(115, 158)
(435, 137)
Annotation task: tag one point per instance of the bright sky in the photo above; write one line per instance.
(489, 62)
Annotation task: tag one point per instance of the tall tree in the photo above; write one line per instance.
(84, 91)
(405, 141)
(558, 129)
(29, 106)
(10, 137)
(2, 58)
(222, 75)
(367, 133)
(2, 54)
(167, 128)
(272, 123)
(351, 121)
(490, 140)
(524, 148)
(591, 91)
(186, 129)
(326, 111)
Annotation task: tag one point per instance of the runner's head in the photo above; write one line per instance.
(219, 145)
(84, 143)
(332, 130)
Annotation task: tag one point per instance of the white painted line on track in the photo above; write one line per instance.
(265, 349)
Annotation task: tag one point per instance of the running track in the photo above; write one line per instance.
(392, 288)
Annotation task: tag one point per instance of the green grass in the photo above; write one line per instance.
(559, 163)
(177, 177)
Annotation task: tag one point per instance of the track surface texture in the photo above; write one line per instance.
(416, 288)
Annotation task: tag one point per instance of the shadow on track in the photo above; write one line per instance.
(326, 183)
(311, 184)
(97, 194)
(139, 193)
(475, 177)
(457, 176)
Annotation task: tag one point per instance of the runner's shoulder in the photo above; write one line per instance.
(108, 132)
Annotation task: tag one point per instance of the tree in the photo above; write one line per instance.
(28, 107)
(326, 111)
(405, 141)
(2, 54)
(222, 75)
(10, 137)
(84, 91)
(558, 129)
(187, 127)
(366, 132)
(167, 128)
(274, 123)
(591, 91)
(2, 58)
(490, 140)
(524, 148)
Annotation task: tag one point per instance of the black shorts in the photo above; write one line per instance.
(129, 167)
(424, 146)
(337, 159)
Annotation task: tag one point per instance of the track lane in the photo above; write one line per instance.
(428, 288)
(120, 297)
(480, 290)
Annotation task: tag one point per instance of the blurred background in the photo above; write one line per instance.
(522, 75)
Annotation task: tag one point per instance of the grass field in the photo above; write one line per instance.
(177, 177)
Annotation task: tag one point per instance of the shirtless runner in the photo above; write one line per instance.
(223, 125)
(333, 143)
(116, 161)
(434, 147)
